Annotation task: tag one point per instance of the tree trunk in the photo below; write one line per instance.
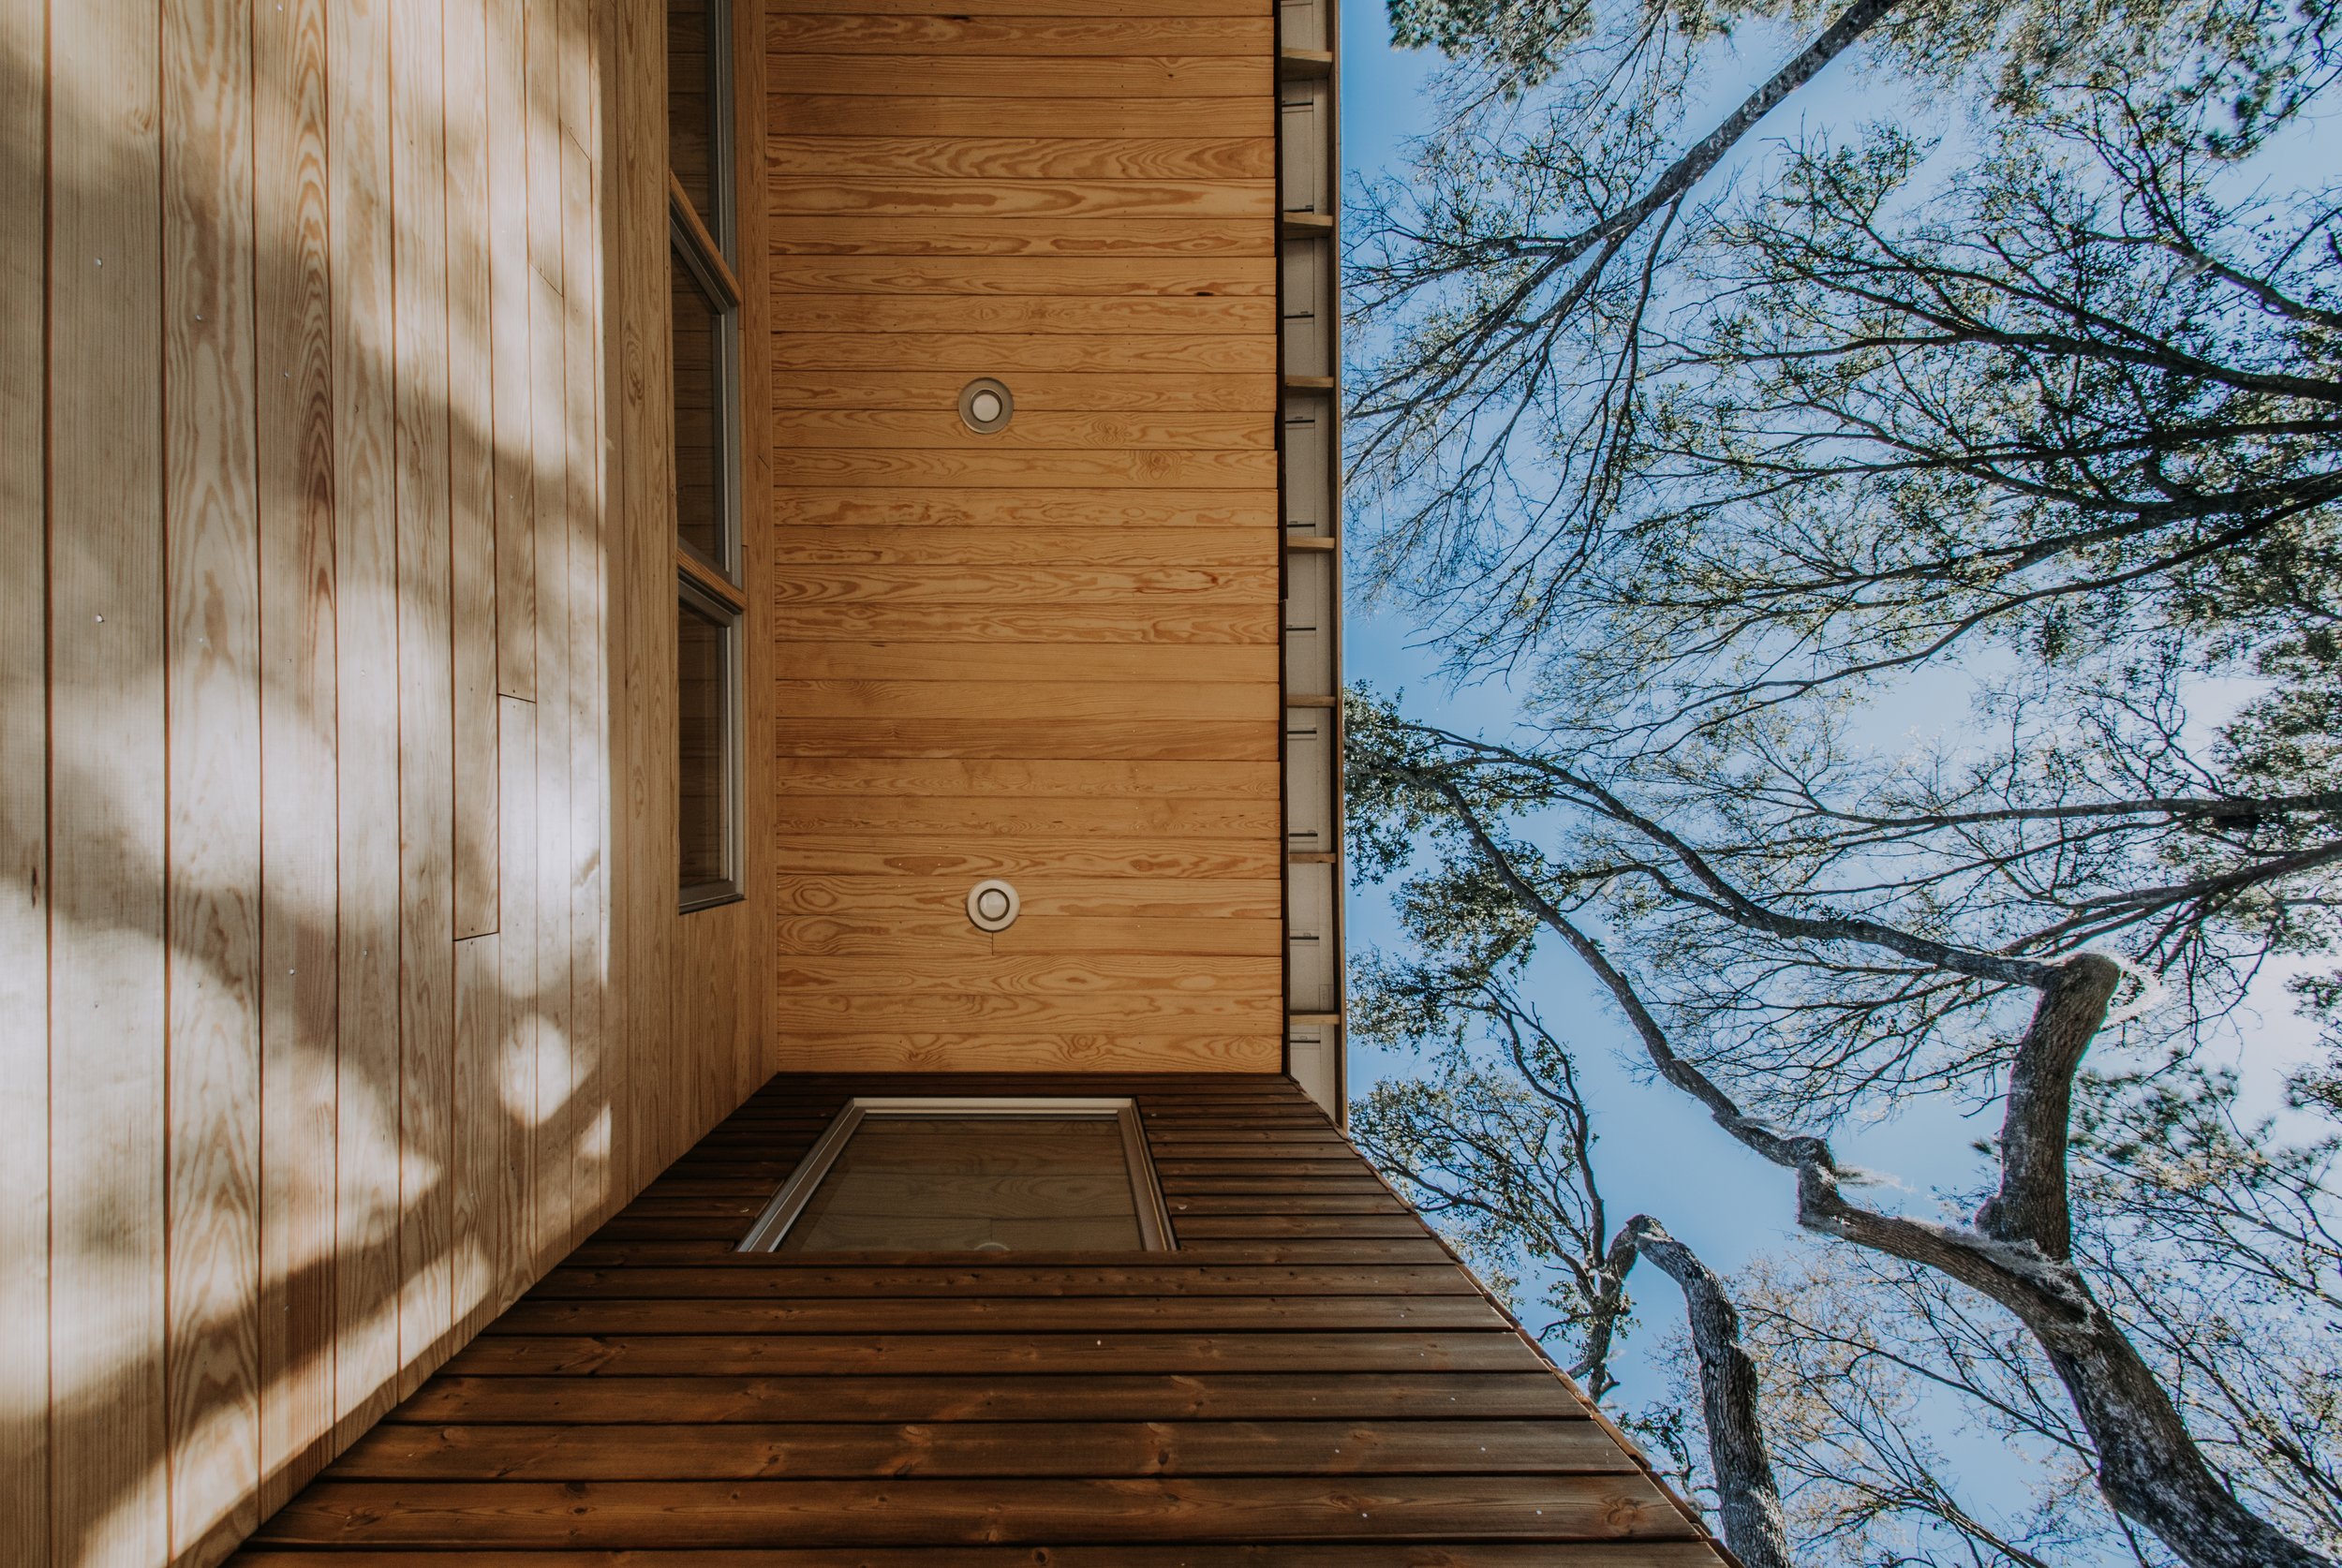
(1750, 1500)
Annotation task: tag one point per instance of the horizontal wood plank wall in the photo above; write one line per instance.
(1048, 653)
(308, 1061)
(1308, 1381)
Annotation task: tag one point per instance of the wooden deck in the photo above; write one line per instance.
(1308, 1381)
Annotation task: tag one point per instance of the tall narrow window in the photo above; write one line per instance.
(704, 354)
(707, 715)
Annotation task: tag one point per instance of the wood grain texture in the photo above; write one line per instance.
(365, 534)
(551, 1113)
(1024, 157)
(108, 624)
(25, 888)
(597, 1079)
(315, 332)
(1280, 1399)
(927, 391)
(1244, 35)
(890, 234)
(1036, 426)
(210, 574)
(1126, 78)
(472, 468)
(507, 132)
(427, 806)
(300, 713)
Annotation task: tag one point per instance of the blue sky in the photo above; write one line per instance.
(1658, 1152)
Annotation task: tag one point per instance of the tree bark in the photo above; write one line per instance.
(1749, 1499)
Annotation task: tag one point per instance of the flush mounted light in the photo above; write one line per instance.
(992, 905)
(984, 406)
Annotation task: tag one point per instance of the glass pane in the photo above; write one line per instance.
(693, 105)
(700, 432)
(978, 1184)
(702, 712)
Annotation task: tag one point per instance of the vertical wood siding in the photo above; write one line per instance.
(1050, 653)
(322, 802)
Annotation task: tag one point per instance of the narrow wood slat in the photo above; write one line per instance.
(1206, 1225)
(510, 355)
(553, 1116)
(1139, 819)
(1096, 591)
(474, 576)
(1003, 701)
(107, 621)
(849, 854)
(1293, 1203)
(1097, 1041)
(1118, 10)
(974, 197)
(367, 1267)
(948, 931)
(24, 886)
(1210, 1396)
(1059, 664)
(998, 1315)
(211, 757)
(893, 467)
(1028, 158)
(1244, 35)
(427, 806)
(1183, 238)
(1008, 780)
(1082, 393)
(906, 890)
(294, 322)
(1048, 740)
(983, 618)
(1122, 78)
(752, 1450)
(607, 1249)
(524, 1515)
(810, 112)
(1001, 1355)
(1036, 427)
(1350, 1554)
(1013, 351)
(597, 1076)
(1159, 1280)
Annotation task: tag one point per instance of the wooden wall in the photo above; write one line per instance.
(340, 984)
(1050, 654)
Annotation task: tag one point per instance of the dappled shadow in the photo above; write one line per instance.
(275, 1201)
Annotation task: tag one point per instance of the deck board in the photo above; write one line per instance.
(1288, 1388)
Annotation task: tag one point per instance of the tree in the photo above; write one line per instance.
(2027, 397)
(1503, 1163)
(1732, 908)
(2074, 383)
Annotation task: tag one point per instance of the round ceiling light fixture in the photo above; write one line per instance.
(986, 405)
(992, 905)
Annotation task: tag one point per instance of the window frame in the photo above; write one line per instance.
(693, 592)
(689, 245)
(1154, 1219)
(705, 245)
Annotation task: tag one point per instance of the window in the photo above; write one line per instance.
(704, 355)
(972, 1176)
(707, 760)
